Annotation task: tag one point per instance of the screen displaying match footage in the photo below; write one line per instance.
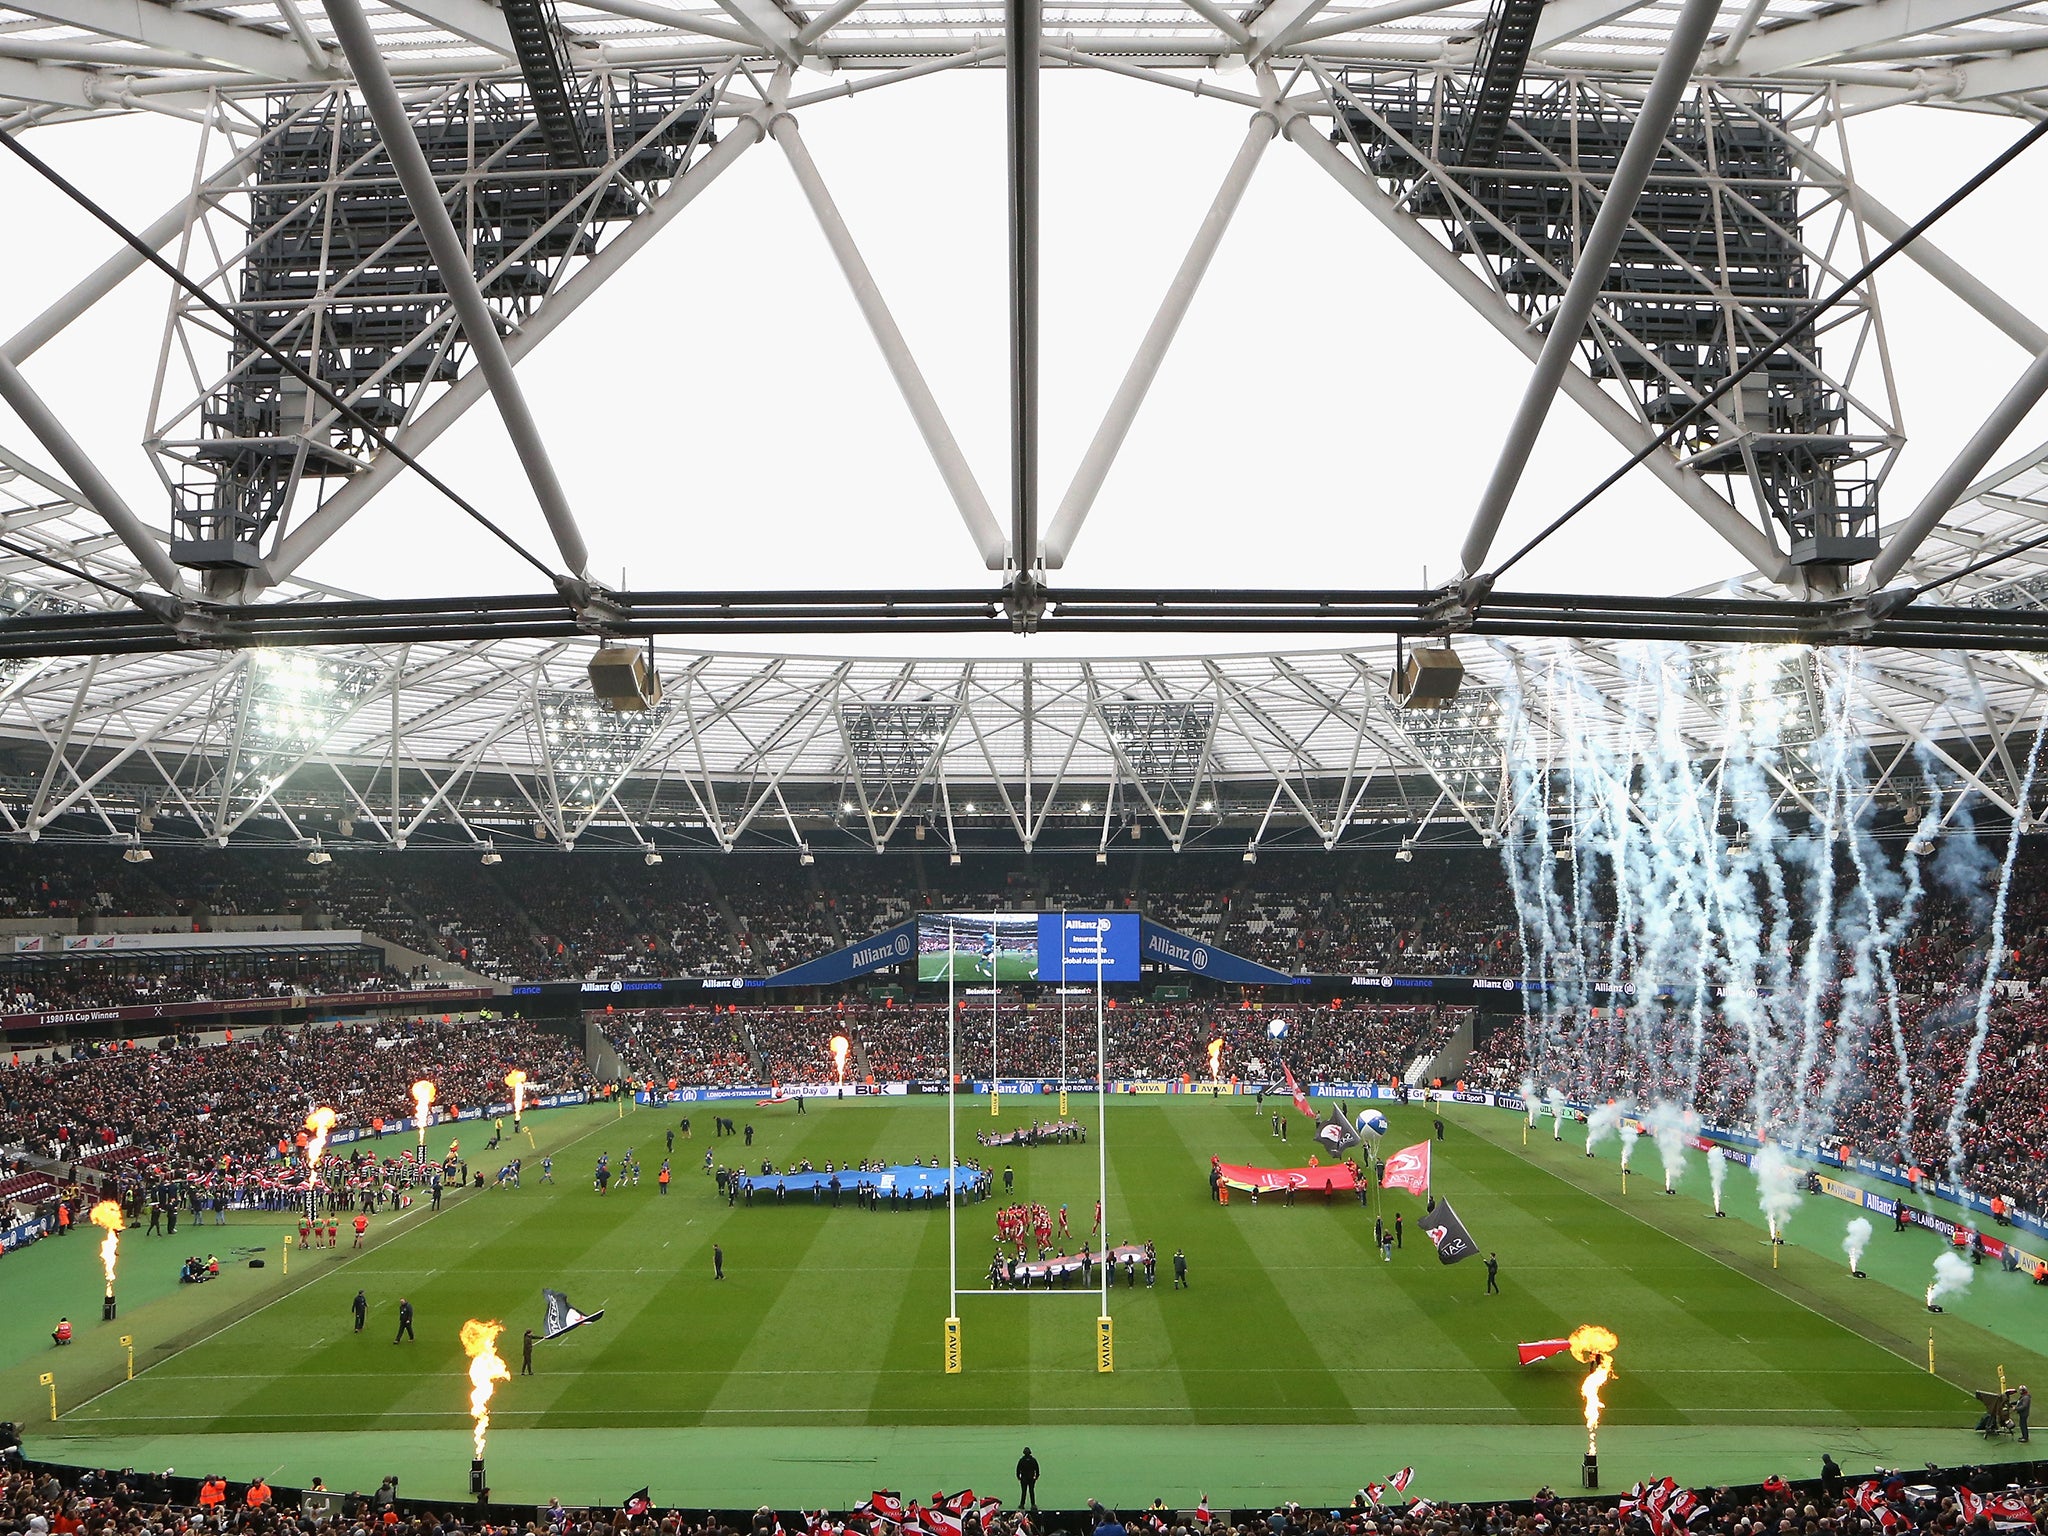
(977, 946)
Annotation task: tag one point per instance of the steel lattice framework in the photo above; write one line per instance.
(1649, 199)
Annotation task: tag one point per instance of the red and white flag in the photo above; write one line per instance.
(1202, 1510)
(1408, 1169)
(1300, 1099)
(887, 1506)
(1542, 1349)
(1400, 1480)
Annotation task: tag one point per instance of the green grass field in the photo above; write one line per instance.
(971, 965)
(1297, 1362)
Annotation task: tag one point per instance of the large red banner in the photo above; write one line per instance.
(1336, 1176)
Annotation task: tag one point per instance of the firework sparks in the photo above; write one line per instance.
(320, 1122)
(108, 1215)
(1593, 1345)
(840, 1046)
(486, 1369)
(516, 1081)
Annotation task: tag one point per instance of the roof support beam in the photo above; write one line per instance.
(449, 406)
(1575, 308)
(246, 49)
(1934, 261)
(458, 275)
(1949, 487)
(97, 490)
(471, 20)
(1715, 510)
(1021, 87)
(1856, 26)
(1563, 20)
(966, 491)
(1173, 308)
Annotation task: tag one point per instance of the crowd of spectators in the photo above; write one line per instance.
(544, 916)
(724, 1044)
(45, 984)
(182, 1110)
(37, 1501)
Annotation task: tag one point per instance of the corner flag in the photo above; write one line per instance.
(561, 1316)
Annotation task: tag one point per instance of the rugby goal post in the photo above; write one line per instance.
(1103, 1334)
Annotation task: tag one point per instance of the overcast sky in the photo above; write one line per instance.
(1328, 415)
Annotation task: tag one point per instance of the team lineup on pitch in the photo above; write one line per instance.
(829, 1316)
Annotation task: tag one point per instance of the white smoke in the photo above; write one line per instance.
(1777, 1190)
(1602, 1123)
(1994, 956)
(1857, 1240)
(1717, 1172)
(1674, 1130)
(1530, 1102)
(1556, 1114)
(1952, 1273)
(1628, 1144)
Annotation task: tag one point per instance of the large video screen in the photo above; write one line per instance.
(1003, 947)
(977, 946)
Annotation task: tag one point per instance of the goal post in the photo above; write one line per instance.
(957, 1088)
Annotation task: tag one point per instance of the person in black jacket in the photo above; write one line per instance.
(361, 1307)
(404, 1320)
(1027, 1479)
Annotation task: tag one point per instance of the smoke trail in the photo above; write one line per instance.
(1993, 960)
(1601, 1123)
(1628, 1144)
(1556, 1114)
(1530, 1103)
(1952, 1274)
(1672, 1129)
(1717, 1173)
(1777, 1194)
(1857, 1240)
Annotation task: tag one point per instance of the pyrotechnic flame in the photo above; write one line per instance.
(1215, 1059)
(516, 1081)
(486, 1369)
(320, 1122)
(423, 1101)
(107, 1214)
(1595, 1346)
(840, 1046)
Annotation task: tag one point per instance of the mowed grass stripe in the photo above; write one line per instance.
(790, 1259)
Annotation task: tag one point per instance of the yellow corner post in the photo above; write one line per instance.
(128, 1343)
(952, 1346)
(50, 1381)
(1105, 1344)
